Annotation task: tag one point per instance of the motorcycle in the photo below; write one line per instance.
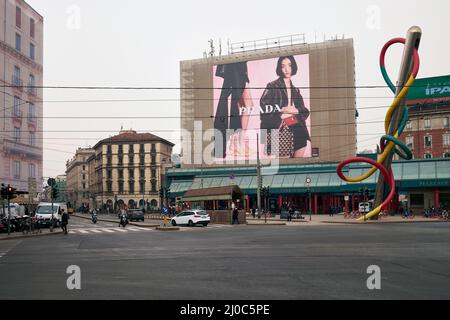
(94, 218)
(123, 220)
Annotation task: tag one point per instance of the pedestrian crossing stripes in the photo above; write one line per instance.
(107, 230)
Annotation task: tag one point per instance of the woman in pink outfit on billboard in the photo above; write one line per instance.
(283, 114)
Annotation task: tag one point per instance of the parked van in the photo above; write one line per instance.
(17, 210)
(44, 212)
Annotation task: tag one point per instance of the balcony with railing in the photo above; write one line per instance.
(32, 90)
(17, 82)
(17, 116)
(32, 120)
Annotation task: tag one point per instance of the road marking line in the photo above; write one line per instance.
(139, 229)
(119, 229)
(95, 230)
(81, 231)
(107, 230)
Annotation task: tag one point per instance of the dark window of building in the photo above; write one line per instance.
(417, 199)
(120, 174)
(84, 176)
(427, 156)
(131, 159)
(84, 168)
(428, 141)
(141, 187)
(18, 42)
(32, 51)
(120, 159)
(153, 147)
(109, 174)
(131, 149)
(131, 186)
(121, 186)
(153, 159)
(142, 159)
(141, 148)
(84, 185)
(427, 123)
(445, 122)
(142, 173)
(153, 186)
(447, 155)
(409, 124)
(32, 31)
(18, 17)
(16, 76)
(109, 160)
(120, 148)
(109, 186)
(109, 150)
(131, 173)
(153, 173)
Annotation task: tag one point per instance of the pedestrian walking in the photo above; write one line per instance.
(290, 213)
(235, 216)
(64, 220)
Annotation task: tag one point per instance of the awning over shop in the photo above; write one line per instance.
(217, 193)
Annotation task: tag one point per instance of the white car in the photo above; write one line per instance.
(191, 218)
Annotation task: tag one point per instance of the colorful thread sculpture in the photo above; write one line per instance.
(388, 143)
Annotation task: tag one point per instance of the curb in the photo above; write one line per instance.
(381, 222)
(267, 224)
(32, 235)
(167, 228)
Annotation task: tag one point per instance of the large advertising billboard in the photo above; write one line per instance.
(262, 101)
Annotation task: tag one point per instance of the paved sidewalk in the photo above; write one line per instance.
(340, 219)
(20, 235)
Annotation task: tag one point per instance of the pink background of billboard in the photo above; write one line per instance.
(260, 73)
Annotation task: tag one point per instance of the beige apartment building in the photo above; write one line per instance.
(21, 109)
(77, 173)
(127, 169)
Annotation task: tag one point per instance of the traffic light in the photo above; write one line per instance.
(167, 192)
(55, 193)
(3, 191)
(8, 192)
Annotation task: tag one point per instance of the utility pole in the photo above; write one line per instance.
(258, 176)
(412, 42)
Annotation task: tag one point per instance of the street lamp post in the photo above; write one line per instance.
(308, 183)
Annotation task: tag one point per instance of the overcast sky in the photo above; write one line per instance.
(140, 43)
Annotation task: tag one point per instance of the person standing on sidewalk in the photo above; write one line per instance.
(235, 216)
(290, 213)
(64, 220)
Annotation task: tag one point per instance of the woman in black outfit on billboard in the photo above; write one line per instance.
(285, 112)
(235, 79)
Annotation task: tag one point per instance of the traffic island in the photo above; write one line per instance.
(262, 223)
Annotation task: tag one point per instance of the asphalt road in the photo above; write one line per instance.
(231, 262)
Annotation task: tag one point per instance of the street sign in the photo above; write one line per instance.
(51, 182)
